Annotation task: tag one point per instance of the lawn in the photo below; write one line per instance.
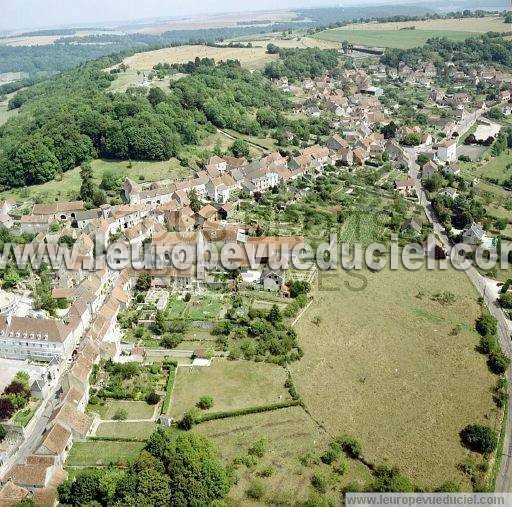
(231, 384)
(496, 167)
(137, 430)
(401, 39)
(91, 452)
(396, 369)
(290, 434)
(203, 308)
(134, 409)
(68, 186)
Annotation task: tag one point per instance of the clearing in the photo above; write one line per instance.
(254, 58)
(382, 356)
(231, 384)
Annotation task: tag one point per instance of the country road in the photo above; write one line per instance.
(504, 478)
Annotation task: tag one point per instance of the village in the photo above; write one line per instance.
(61, 351)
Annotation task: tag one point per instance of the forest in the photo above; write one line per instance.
(71, 118)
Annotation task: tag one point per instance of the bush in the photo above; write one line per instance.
(256, 491)
(205, 402)
(329, 456)
(187, 297)
(319, 482)
(479, 438)
(121, 415)
(487, 325)
(266, 471)
(498, 362)
(488, 344)
(350, 446)
(3, 433)
(506, 301)
(152, 398)
(188, 420)
(258, 448)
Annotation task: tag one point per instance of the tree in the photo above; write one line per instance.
(479, 438)
(188, 420)
(6, 408)
(487, 325)
(498, 362)
(152, 398)
(411, 139)
(143, 282)
(87, 187)
(506, 301)
(195, 203)
(299, 287)
(240, 149)
(153, 488)
(205, 402)
(390, 480)
(3, 433)
(156, 95)
(274, 315)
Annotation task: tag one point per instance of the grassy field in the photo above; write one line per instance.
(126, 429)
(68, 186)
(290, 435)
(394, 34)
(203, 308)
(401, 39)
(496, 167)
(361, 228)
(252, 58)
(134, 409)
(91, 453)
(385, 365)
(232, 384)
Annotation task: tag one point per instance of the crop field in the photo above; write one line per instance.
(252, 58)
(134, 409)
(380, 353)
(362, 228)
(137, 430)
(290, 435)
(231, 384)
(67, 187)
(92, 453)
(400, 35)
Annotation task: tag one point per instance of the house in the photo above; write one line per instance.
(57, 442)
(312, 111)
(336, 143)
(433, 247)
(428, 170)
(473, 234)
(447, 151)
(448, 192)
(68, 416)
(11, 494)
(452, 169)
(412, 225)
(272, 279)
(59, 211)
(34, 223)
(6, 221)
(406, 187)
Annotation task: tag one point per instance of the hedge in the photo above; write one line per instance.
(246, 411)
(117, 439)
(506, 286)
(168, 393)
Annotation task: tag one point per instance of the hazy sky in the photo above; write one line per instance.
(15, 14)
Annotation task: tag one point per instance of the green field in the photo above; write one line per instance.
(381, 356)
(362, 228)
(91, 452)
(232, 384)
(134, 409)
(401, 39)
(137, 430)
(69, 184)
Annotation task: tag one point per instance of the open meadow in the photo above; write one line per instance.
(254, 58)
(231, 384)
(397, 370)
(97, 452)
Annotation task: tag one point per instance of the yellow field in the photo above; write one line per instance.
(476, 25)
(386, 366)
(251, 58)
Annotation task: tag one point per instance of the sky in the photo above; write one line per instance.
(27, 14)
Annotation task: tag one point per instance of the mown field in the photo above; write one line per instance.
(138, 430)
(91, 453)
(231, 384)
(134, 409)
(399, 371)
(396, 35)
(251, 58)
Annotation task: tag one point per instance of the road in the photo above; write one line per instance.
(504, 478)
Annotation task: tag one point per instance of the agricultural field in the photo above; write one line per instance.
(95, 452)
(251, 58)
(380, 352)
(401, 35)
(135, 430)
(231, 384)
(293, 442)
(134, 409)
(66, 188)
(362, 228)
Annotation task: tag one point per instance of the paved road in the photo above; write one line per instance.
(504, 478)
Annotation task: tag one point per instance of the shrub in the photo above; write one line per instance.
(488, 344)
(121, 415)
(205, 402)
(319, 482)
(188, 420)
(266, 471)
(501, 392)
(506, 301)
(340, 468)
(187, 297)
(3, 433)
(256, 491)
(479, 438)
(329, 456)
(152, 398)
(487, 325)
(170, 341)
(498, 362)
(448, 487)
(258, 448)
(350, 446)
